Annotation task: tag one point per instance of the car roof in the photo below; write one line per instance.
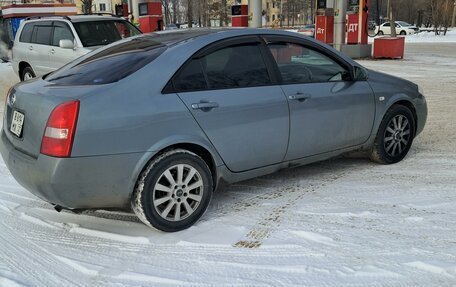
(171, 37)
(93, 17)
(75, 18)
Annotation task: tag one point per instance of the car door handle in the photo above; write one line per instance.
(52, 51)
(205, 106)
(299, 97)
(30, 48)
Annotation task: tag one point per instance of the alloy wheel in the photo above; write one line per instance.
(397, 135)
(178, 192)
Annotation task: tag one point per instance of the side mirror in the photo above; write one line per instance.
(360, 74)
(66, 44)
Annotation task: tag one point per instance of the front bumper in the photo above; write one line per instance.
(421, 113)
(75, 183)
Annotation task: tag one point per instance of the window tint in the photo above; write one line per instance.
(42, 34)
(190, 78)
(387, 24)
(98, 33)
(26, 35)
(298, 64)
(61, 32)
(109, 65)
(236, 66)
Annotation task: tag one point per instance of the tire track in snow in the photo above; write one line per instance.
(15, 259)
(268, 223)
(273, 186)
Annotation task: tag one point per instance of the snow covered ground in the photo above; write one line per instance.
(342, 222)
(430, 37)
(427, 37)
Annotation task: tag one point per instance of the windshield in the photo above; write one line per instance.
(100, 33)
(404, 24)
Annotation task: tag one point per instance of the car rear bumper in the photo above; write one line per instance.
(75, 183)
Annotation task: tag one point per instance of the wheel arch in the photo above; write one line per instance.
(199, 150)
(410, 106)
(22, 65)
(209, 156)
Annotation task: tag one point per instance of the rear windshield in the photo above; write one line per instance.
(109, 65)
(99, 33)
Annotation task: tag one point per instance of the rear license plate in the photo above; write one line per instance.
(17, 122)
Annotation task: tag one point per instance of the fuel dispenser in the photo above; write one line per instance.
(357, 30)
(357, 23)
(240, 15)
(324, 26)
(122, 10)
(150, 17)
(344, 24)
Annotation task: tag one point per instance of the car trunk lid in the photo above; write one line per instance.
(34, 101)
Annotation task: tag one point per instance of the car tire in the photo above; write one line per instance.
(380, 33)
(403, 33)
(165, 198)
(394, 136)
(27, 74)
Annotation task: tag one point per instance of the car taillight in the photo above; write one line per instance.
(60, 128)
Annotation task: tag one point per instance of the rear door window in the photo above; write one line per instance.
(26, 34)
(110, 65)
(190, 77)
(42, 33)
(233, 66)
(236, 67)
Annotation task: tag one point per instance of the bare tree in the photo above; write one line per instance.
(453, 18)
(441, 15)
(224, 13)
(205, 13)
(166, 9)
(391, 10)
(175, 8)
(87, 6)
(189, 13)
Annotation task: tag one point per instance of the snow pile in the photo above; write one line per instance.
(426, 37)
(431, 37)
(7, 79)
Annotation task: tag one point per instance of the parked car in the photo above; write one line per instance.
(171, 27)
(402, 28)
(158, 121)
(308, 30)
(44, 44)
(408, 25)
